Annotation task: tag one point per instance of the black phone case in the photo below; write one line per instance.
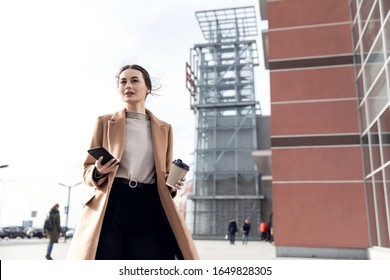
(100, 151)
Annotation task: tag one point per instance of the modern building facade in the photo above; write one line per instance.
(329, 65)
(220, 78)
(371, 46)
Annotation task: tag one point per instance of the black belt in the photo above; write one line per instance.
(130, 183)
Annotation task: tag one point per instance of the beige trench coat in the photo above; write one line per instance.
(110, 133)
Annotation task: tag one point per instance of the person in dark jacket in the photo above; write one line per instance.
(54, 233)
(232, 229)
(245, 231)
(270, 229)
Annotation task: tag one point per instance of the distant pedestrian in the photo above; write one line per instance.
(270, 233)
(270, 229)
(232, 229)
(53, 231)
(263, 230)
(245, 231)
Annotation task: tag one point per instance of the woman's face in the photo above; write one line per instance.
(132, 87)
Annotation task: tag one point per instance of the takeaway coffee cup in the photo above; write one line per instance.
(178, 171)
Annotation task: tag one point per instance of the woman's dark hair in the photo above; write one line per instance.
(145, 74)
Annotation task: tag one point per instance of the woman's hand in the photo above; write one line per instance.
(102, 170)
(179, 184)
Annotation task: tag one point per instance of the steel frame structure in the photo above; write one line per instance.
(220, 78)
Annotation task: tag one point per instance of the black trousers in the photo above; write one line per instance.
(135, 226)
(232, 238)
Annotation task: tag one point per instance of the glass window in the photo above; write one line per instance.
(371, 213)
(247, 184)
(244, 161)
(377, 98)
(385, 7)
(225, 138)
(225, 161)
(372, 30)
(386, 30)
(363, 117)
(365, 10)
(388, 75)
(204, 184)
(381, 210)
(360, 88)
(206, 140)
(374, 64)
(374, 147)
(366, 156)
(358, 59)
(385, 135)
(204, 161)
(355, 33)
(225, 184)
(353, 8)
(387, 185)
(224, 122)
(246, 138)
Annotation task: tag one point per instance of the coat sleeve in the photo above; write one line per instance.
(169, 155)
(89, 163)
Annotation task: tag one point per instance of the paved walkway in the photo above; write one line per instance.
(35, 249)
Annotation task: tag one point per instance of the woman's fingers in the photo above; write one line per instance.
(106, 168)
(180, 184)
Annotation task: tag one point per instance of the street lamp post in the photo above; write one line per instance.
(67, 207)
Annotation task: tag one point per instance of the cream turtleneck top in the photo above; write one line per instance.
(137, 162)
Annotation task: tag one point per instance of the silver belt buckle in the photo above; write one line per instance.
(133, 183)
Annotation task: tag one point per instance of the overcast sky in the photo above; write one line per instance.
(58, 60)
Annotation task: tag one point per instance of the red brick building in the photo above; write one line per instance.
(330, 123)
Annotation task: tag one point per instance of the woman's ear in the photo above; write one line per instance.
(147, 93)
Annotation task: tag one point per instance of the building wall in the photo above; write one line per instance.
(317, 178)
(370, 25)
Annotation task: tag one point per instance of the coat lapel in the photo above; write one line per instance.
(159, 140)
(116, 131)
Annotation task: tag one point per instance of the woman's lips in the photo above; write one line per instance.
(129, 93)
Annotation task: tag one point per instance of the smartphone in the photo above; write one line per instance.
(100, 151)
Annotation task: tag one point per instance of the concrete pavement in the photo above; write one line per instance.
(35, 249)
(215, 253)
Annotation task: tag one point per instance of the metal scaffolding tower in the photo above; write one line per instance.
(220, 78)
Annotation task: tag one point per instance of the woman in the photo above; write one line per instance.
(54, 232)
(131, 214)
